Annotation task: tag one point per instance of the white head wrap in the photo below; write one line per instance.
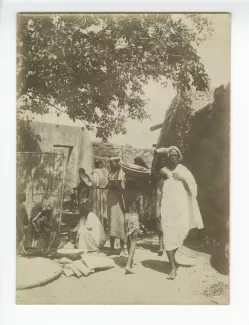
(177, 150)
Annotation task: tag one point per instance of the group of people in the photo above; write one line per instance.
(112, 199)
(121, 200)
(118, 199)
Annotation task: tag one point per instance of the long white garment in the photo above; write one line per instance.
(179, 209)
(91, 235)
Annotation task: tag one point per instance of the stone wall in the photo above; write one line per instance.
(104, 151)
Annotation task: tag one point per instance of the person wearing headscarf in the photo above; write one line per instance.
(100, 181)
(115, 204)
(178, 208)
(90, 234)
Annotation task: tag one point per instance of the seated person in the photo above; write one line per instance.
(90, 234)
(41, 230)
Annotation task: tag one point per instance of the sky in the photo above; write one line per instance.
(215, 55)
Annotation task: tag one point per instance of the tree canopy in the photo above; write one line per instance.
(94, 66)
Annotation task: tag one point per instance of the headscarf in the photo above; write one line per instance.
(84, 177)
(177, 150)
(165, 152)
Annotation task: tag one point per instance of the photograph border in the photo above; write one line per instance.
(237, 310)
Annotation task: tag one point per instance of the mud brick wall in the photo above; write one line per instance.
(104, 151)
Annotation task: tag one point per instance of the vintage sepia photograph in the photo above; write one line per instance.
(122, 158)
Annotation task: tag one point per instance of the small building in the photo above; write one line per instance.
(61, 134)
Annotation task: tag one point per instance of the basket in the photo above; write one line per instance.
(135, 170)
(35, 272)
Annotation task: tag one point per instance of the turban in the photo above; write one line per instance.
(176, 149)
(166, 151)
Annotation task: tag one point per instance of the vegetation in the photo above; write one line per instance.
(94, 66)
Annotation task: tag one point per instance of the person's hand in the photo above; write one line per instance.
(178, 177)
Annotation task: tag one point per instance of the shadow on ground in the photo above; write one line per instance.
(220, 264)
(121, 261)
(159, 266)
(149, 246)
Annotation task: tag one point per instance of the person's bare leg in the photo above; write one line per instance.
(131, 256)
(160, 252)
(112, 242)
(174, 253)
(128, 245)
(171, 257)
(122, 250)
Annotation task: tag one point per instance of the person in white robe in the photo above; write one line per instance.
(178, 208)
(90, 233)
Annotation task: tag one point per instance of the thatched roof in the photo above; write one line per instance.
(182, 105)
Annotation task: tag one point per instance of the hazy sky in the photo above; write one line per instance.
(215, 54)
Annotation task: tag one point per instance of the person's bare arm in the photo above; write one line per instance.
(140, 208)
(181, 178)
(159, 197)
(163, 174)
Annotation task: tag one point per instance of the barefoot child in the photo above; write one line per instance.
(133, 202)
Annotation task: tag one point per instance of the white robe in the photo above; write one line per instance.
(179, 209)
(91, 235)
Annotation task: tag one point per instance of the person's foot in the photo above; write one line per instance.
(160, 252)
(129, 270)
(172, 275)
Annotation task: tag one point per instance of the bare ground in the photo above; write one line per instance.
(197, 283)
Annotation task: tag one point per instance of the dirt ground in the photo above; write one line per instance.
(197, 283)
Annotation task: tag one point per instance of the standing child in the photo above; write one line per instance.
(134, 214)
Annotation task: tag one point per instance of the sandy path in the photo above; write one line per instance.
(148, 286)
